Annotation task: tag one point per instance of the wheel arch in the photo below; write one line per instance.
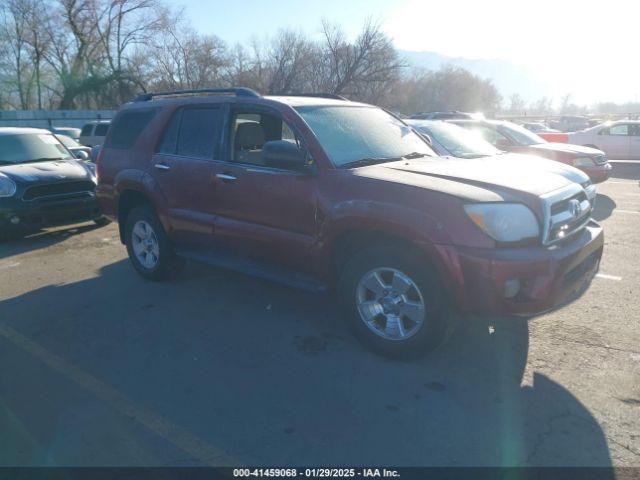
(128, 199)
(348, 242)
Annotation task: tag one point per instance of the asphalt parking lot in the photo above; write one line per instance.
(100, 367)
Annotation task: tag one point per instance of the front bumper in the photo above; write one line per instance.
(598, 173)
(21, 215)
(548, 276)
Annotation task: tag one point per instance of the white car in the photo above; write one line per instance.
(619, 139)
(93, 133)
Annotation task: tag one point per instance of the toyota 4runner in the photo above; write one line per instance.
(323, 193)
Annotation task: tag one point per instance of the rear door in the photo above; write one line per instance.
(634, 141)
(183, 168)
(265, 213)
(615, 140)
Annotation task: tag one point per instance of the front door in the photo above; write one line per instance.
(634, 142)
(614, 141)
(266, 213)
(183, 168)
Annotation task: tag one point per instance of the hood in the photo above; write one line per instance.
(45, 172)
(567, 171)
(502, 173)
(568, 148)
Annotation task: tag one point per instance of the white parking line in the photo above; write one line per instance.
(11, 265)
(626, 211)
(608, 277)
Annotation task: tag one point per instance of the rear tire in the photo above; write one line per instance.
(393, 302)
(149, 248)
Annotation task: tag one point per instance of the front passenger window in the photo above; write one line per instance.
(249, 133)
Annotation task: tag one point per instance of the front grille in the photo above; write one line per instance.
(563, 205)
(566, 213)
(55, 190)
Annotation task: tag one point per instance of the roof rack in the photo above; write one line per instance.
(334, 96)
(238, 92)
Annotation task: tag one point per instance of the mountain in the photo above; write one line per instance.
(508, 77)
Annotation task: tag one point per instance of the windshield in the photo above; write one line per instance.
(30, 147)
(521, 135)
(349, 134)
(68, 141)
(458, 141)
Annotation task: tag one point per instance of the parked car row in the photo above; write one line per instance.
(513, 138)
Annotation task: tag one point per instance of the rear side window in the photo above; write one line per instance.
(86, 130)
(621, 129)
(193, 132)
(101, 130)
(128, 127)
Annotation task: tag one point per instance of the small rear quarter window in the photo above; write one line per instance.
(101, 130)
(86, 130)
(127, 127)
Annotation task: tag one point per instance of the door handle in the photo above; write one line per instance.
(162, 166)
(225, 177)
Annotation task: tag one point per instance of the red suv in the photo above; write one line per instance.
(319, 192)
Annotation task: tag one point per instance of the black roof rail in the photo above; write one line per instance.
(238, 92)
(334, 96)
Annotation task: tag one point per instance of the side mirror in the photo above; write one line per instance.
(283, 154)
(81, 155)
(427, 138)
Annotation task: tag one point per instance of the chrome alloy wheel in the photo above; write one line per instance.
(390, 304)
(145, 244)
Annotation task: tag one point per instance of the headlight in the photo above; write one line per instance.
(504, 222)
(7, 186)
(91, 168)
(583, 162)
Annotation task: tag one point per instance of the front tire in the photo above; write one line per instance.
(393, 302)
(149, 248)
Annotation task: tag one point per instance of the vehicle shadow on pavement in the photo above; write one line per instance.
(21, 243)
(605, 206)
(272, 377)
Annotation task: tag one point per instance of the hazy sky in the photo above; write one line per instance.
(590, 49)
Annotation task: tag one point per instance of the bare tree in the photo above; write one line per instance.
(350, 68)
(289, 61)
(449, 88)
(14, 29)
(182, 58)
(123, 25)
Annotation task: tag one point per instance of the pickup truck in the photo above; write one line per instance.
(327, 194)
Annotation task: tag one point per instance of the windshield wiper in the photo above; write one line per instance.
(44, 159)
(362, 162)
(412, 155)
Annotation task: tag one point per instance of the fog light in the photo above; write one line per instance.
(511, 287)
(15, 220)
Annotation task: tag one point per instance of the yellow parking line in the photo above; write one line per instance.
(174, 434)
